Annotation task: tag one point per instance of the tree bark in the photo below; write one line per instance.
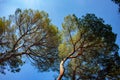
(74, 74)
(62, 69)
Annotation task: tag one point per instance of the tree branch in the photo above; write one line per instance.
(7, 57)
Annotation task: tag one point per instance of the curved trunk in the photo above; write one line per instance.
(62, 69)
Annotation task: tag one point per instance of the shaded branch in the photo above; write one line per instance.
(3, 59)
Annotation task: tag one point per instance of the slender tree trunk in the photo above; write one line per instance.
(62, 70)
(74, 74)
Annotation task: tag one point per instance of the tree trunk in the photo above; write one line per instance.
(61, 70)
(74, 74)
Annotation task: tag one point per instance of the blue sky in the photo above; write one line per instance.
(57, 10)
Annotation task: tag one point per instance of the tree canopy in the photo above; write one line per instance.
(28, 34)
(85, 47)
(84, 40)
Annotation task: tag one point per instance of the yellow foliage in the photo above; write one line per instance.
(64, 50)
(2, 26)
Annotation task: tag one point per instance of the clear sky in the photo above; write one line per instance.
(57, 10)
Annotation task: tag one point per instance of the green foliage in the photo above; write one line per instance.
(3, 25)
(64, 50)
(111, 66)
(90, 33)
(85, 39)
(29, 34)
(87, 42)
